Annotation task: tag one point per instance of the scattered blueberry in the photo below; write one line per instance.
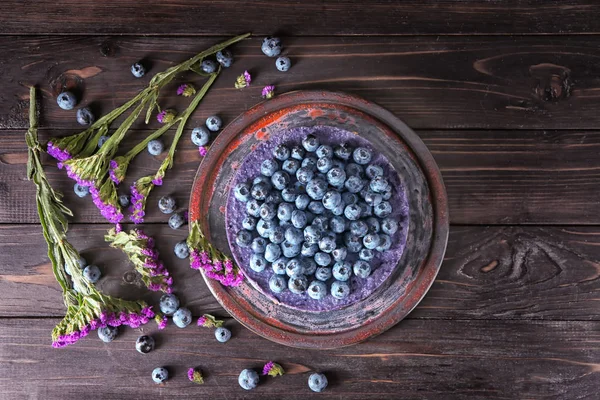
(366, 254)
(353, 243)
(248, 379)
(310, 266)
(258, 245)
(362, 269)
(290, 250)
(200, 136)
(85, 116)
(167, 205)
(322, 259)
(214, 123)
(181, 250)
(354, 184)
(123, 200)
(343, 152)
(101, 140)
(291, 166)
(332, 199)
(208, 66)
(349, 198)
(258, 263)
(284, 211)
(182, 317)
(138, 70)
(299, 219)
(81, 191)
(267, 211)
(309, 250)
(316, 207)
(280, 180)
(353, 169)
(283, 63)
(264, 227)
(144, 344)
(373, 171)
(169, 303)
(92, 273)
(160, 374)
(321, 223)
(327, 244)
(225, 58)
(108, 333)
(277, 235)
(289, 194)
(317, 382)
(316, 188)
(222, 334)
(359, 228)
(277, 283)
(352, 212)
(336, 176)
(337, 224)
(260, 190)
(66, 100)
(294, 267)
(271, 46)
(176, 220)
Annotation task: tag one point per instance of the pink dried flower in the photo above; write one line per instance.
(273, 369)
(186, 90)
(268, 92)
(243, 80)
(166, 116)
(195, 376)
(202, 150)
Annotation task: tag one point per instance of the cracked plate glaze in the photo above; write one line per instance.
(428, 218)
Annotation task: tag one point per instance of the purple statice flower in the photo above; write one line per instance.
(201, 321)
(157, 181)
(202, 150)
(161, 321)
(138, 201)
(268, 92)
(191, 374)
(247, 77)
(186, 90)
(273, 369)
(243, 80)
(109, 210)
(166, 116)
(214, 269)
(195, 376)
(117, 168)
(209, 321)
(58, 153)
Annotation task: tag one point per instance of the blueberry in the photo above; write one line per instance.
(294, 235)
(338, 224)
(308, 250)
(167, 205)
(310, 143)
(160, 374)
(242, 192)
(277, 235)
(304, 175)
(317, 382)
(354, 184)
(253, 208)
(200, 136)
(336, 176)
(102, 140)
(81, 263)
(316, 207)
(123, 200)
(310, 266)
(340, 290)
(349, 198)
(290, 250)
(299, 219)
(324, 151)
(294, 267)
(316, 188)
(359, 228)
(310, 162)
(317, 290)
(373, 224)
(138, 70)
(222, 334)
(181, 250)
(277, 283)
(243, 238)
(342, 270)
(249, 223)
(272, 252)
(279, 265)
(387, 194)
(302, 201)
(353, 243)
(284, 211)
(353, 169)
(322, 259)
(108, 333)
(260, 190)
(155, 147)
(323, 274)
(298, 284)
(385, 242)
(339, 254)
(281, 152)
(280, 180)
(339, 209)
(258, 262)
(362, 269)
(389, 226)
(81, 191)
(258, 245)
(225, 58)
(261, 179)
(283, 63)
(248, 379)
(268, 167)
(327, 244)
(337, 163)
(365, 209)
(271, 46)
(383, 209)
(144, 344)
(373, 199)
(373, 171)
(66, 100)
(362, 155)
(324, 164)
(321, 223)
(92, 273)
(291, 166)
(379, 184)
(264, 227)
(289, 194)
(209, 67)
(274, 198)
(371, 240)
(182, 317)
(169, 303)
(176, 220)
(85, 116)
(214, 123)
(297, 153)
(331, 199)
(366, 254)
(343, 151)
(267, 211)
(312, 234)
(352, 212)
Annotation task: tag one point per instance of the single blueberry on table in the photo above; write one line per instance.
(66, 100)
(264, 227)
(258, 263)
(336, 176)
(327, 244)
(331, 199)
(277, 235)
(249, 223)
(258, 245)
(281, 152)
(138, 70)
(310, 162)
(310, 143)
(383, 209)
(352, 212)
(222, 334)
(302, 201)
(182, 250)
(297, 153)
(167, 204)
(81, 263)
(304, 175)
(168, 304)
(317, 290)
(123, 200)
(269, 167)
(155, 147)
(389, 226)
(316, 207)
(176, 220)
(243, 238)
(299, 219)
(316, 188)
(362, 269)
(290, 250)
(182, 317)
(280, 180)
(339, 254)
(225, 58)
(283, 63)
(284, 211)
(323, 273)
(324, 164)
(108, 333)
(209, 67)
(81, 191)
(342, 270)
(248, 379)
(242, 192)
(366, 254)
(278, 266)
(371, 240)
(85, 116)
(271, 46)
(337, 224)
(92, 273)
(289, 194)
(272, 252)
(277, 283)
(267, 211)
(317, 382)
(160, 374)
(214, 123)
(298, 284)
(322, 259)
(385, 242)
(340, 290)
(144, 344)
(294, 267)
(291, 166)
(200, 136)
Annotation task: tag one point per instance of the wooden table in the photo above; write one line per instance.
(505, 95)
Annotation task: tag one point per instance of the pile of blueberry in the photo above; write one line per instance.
(316, 212)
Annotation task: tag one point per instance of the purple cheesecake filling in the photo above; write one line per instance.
(382, 265)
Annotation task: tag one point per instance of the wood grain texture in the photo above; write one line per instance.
(430, 82)
(311, 17)
(489, 273)
(415, 359)
(491, 177)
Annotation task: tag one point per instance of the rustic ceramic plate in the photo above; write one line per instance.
(428, 218)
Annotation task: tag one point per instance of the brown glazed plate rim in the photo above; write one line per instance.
(269, 328)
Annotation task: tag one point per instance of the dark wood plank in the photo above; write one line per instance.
(491, 177)
(416, 359)
(488, 273)
(522, 82)
(339, 17)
